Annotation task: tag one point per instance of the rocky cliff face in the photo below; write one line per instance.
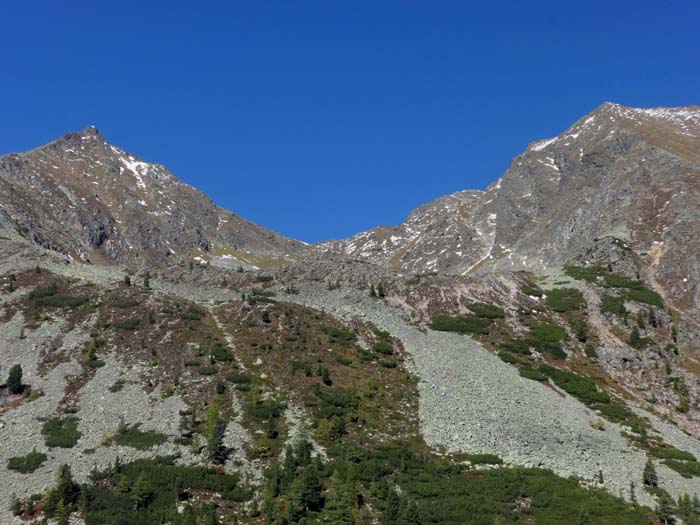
(94, 202)
(618, 176)
(437, 236)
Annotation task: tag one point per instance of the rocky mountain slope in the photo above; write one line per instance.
(94, 202)
(618, 173)
(526, 354)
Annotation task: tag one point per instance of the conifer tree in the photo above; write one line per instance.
(271, 431)
(652, 318)
(15, 505)
(326, 377)
(665, 508)
(311, 488)
(215, 446)
(14, 380)
(392, 508)
(141, 492)
(635, 339)
(649, 475)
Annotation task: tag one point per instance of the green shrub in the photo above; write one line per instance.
(582, 388)
(264, 278)
(218, 352)
(261, 298)
(611, 304)
(27, 464)
(239, 378)
(117, 386)
(671, 453)
(335, 402)
(546, 337)
(127, 324)
(207, 370)
(461, 324)
(266, 409)
(383, 347)
(580, 328)
(192, 314)
(507, 357)
(516, 346)
(687, 469)
(531, 289)
(644, 295)
(154, 486)
(62, 301)
(132, 436)
(440, 494)
(364, 356)
(61, 432)
(553, 349)
(633, 290)
(43, 291)
(487, 311)
(124, 302)
(613, 280)
(259, 292)
(589, 273)
(382, 334)
(388, 363)
(530, 373)
(342, 360)
(339, 335)
(591, 352)
(619, 414)
(482, 459)
(635, 340)
(547, 332)
(565, 300)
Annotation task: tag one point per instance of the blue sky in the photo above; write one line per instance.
(321, 119)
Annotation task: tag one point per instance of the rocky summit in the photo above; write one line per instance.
(96, 203)
(528, 353)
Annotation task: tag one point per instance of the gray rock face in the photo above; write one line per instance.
(622, 173)
(434, 237)
(92, 201)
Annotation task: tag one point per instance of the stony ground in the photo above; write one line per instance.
(99, 413)
(470, 401)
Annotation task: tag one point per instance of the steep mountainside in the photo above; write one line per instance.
(94, 202)
(527, 354)
(618, 173)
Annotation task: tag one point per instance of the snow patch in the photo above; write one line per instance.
(541, 144)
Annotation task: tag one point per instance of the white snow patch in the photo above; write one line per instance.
(541, 144)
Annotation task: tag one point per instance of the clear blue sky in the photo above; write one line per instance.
(321, 119)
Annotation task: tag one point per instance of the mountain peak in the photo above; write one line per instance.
(91, 131)
(91, 200)
(686, 119)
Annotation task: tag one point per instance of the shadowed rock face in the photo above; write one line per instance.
(88, 199)
(618, 173)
